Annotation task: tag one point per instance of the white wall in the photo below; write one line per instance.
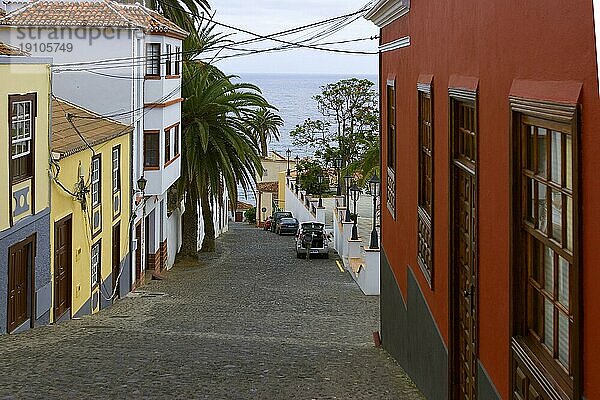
(102, 94)
(174, 235)
(297, 207)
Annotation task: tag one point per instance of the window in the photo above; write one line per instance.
(167, 145)
(425, 195)
(116, 169)
(95, 271)
(153, 59)
(177, 60)
(546, 260)
(22, 111)
(391, 147)
(151, 146)
(176, 148)
(96, 179)
(169, 61)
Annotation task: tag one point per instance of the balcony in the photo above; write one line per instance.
(160, 179)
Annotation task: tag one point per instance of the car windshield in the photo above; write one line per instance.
(312, 226)
(288, 221)
(283, 215)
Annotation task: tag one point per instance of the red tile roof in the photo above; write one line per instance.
(95, 129)
(102, 13)
(268, 187)
(7, 50)
(243, 206)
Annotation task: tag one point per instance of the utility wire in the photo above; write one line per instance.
(258, 37)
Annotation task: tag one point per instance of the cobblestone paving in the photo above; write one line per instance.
(250, 322)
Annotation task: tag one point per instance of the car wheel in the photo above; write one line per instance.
(326, 256)
(298, 255)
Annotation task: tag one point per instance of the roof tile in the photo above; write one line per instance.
(94, 128)
(102, 13)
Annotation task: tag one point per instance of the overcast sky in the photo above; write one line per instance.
(270, 16)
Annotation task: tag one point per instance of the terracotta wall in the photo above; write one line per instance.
(496, 42)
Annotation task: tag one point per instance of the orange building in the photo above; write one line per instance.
(490, 120)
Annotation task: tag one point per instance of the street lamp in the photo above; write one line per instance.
(374, 183)
(288, 152)
(355, 193)
(141, 183)
(320, 179)
(297, 173)
(338, 169)
(347, 182)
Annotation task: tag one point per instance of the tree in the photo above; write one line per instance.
(266, 127)
(250, 215)
(350, 121)
(309, 176)
(219, 150)
(368, 163)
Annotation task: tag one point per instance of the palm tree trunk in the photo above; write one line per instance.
(208, 243)
(263, 144)
(189, 230)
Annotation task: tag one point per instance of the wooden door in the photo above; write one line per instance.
(463, 288)
(116, 258)
(62, 266)
(20, 278)
(138, 253)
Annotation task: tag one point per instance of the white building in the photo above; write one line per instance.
(122, 61)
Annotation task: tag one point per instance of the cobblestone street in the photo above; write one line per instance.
(251, 321)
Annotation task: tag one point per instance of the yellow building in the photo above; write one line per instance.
(90, 212)
(271, 186)
(25, 288)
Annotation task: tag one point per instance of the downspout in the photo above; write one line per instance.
(380, 141)
(133, 209)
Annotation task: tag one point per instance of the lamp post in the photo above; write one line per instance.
(374, 183)
(320, 179)
(355, 193)
(141, 183)
(297, 173)
(347, 182)
(288, 152)
(338, 169)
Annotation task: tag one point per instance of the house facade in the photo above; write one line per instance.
(489, 114)
(25, 276)
(131, 55)
(90, 213)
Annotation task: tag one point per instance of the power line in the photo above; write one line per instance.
(258, 37)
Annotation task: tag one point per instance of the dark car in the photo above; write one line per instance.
(287, 225)
(312, 240)
(277, 216)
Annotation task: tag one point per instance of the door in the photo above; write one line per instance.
(116, 258)
(138, 253)
(20, 278)
(62, 266)
(464, 251)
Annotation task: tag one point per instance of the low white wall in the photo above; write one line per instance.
(296, 206)
(362, 264)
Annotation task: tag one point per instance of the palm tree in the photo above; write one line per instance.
(266, 127)
(219, 149)
(368, 163)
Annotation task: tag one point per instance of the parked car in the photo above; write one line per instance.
(287, 225)
(312, 240)
(277, 216)
(268, 223)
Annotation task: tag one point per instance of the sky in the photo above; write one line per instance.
(270, 16)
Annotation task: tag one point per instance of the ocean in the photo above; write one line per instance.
(293, 95)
